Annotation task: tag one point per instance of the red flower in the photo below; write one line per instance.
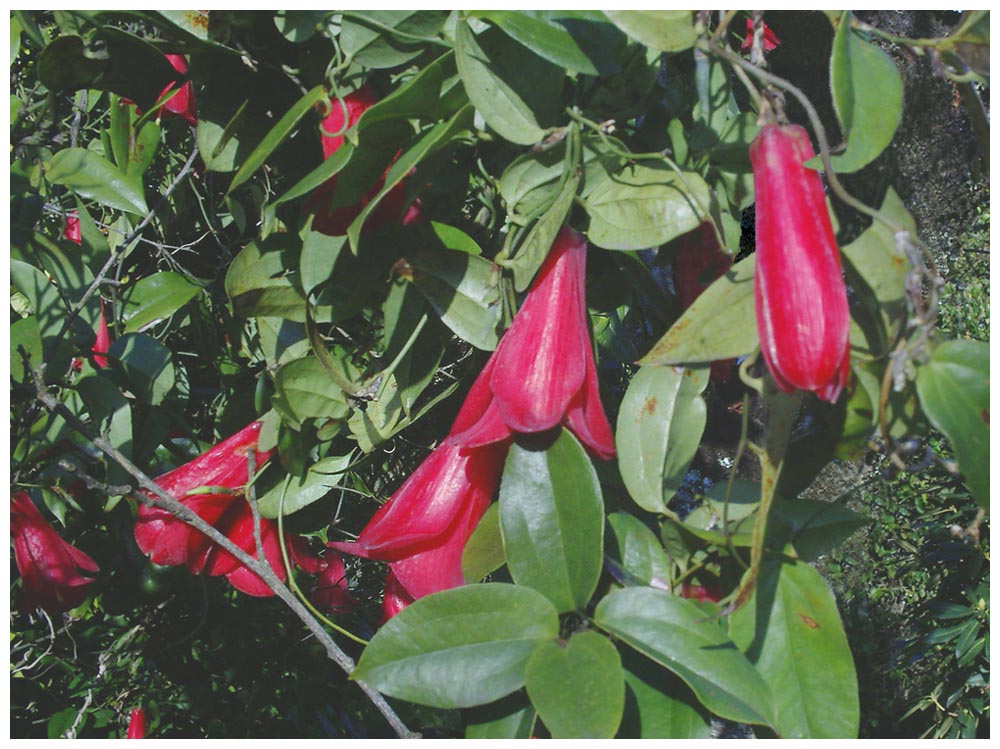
(101, 340)
(542, 373)
(71, 230)
(425, 525)
(799, 292)
(49, 567)
(330, 593)
(395, 598)
(181, 104)
(220, 472)
(770, 40)
(136, 724)
(335, 221)
(701, 593)
(700, 261)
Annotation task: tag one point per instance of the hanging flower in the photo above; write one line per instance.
(700, 261)
(331, 593)
(136, 724)
(422, 530)
(542, 373)
(50, 568)
(212, 486)
(770, 39)
(181, 104)
(799, 293)
(335, 221)
(71, 229)
(101, 340)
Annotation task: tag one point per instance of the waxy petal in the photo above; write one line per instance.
(101, 340)
(800, 297)
(71, 230)
(479, 421)
(330, 592)
(395, 598)
(136, 724)
(587, 420)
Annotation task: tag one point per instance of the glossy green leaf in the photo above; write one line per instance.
(464, 290)
(318, 481)
(552, 521)
(660, 424)
(578, 687)
(420, 97)
(49, 315)
(517, 92)
(156, 297)
(677, 634)
(658, 705)
(91, 176)
(513, 717)
(24, 335)
(812, 526)
(458, 648)
(276, 136)
(665, 30)
(720, 324)
(545, 38)
(640, 551)
(867, 94)
(111, 414)
(299, 26)
(259, 283)
(15, 38)
(304, 390)
(194, 22)
(532, 252)
(954, 390)
(281, 340)
(326, 169)
(644, 206)
(791, 630)
(364, 37)
(483, 551)
(147, 363)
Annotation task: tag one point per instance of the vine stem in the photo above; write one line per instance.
(262, 570)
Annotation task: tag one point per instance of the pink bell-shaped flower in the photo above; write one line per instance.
(800, 298)
(542, 373)
(50, 568)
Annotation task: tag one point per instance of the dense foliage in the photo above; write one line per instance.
(495, 362)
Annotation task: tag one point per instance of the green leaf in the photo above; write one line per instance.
(15, 38)
(552, 520)
(299, 26)
(260, 284)
(483, 551)
(156, 297)
(513, 717)
(665, 30)
(420, 97)
(644, 206)
(193, 22)
(954, 391)
(276, 136)
(867, 94)
(91, 176)
(364, 38)
(791, 631)
(812, 526)
(517, 92)
(660, 424)
(304, 390)
(24, 333)
(458, 648)
(578, 687)
(720, 324)
(464, 290)
(658, 705)
(326, 169)
(318, 481)
(544, 37)
(147, 363)
(677, 634)
(640, 551)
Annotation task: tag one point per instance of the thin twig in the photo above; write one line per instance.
(262, 570)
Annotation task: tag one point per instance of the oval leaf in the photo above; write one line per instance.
(644, 206)
(954, 390)
(552, 521)
(665, 30)
(675, 633)
(156, 297)
(90, 175)
(791, 631)
(148, 365)
(458, 648)
(577, 687)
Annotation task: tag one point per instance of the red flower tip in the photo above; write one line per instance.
(136, 724)
(395, 598)
(770, 39)
(701, 593)
(800, 297)
(71, 230)
(542, 373)
(181, 104)
(50, 568)
(331, 593)
(101, 341)
(169, 541)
